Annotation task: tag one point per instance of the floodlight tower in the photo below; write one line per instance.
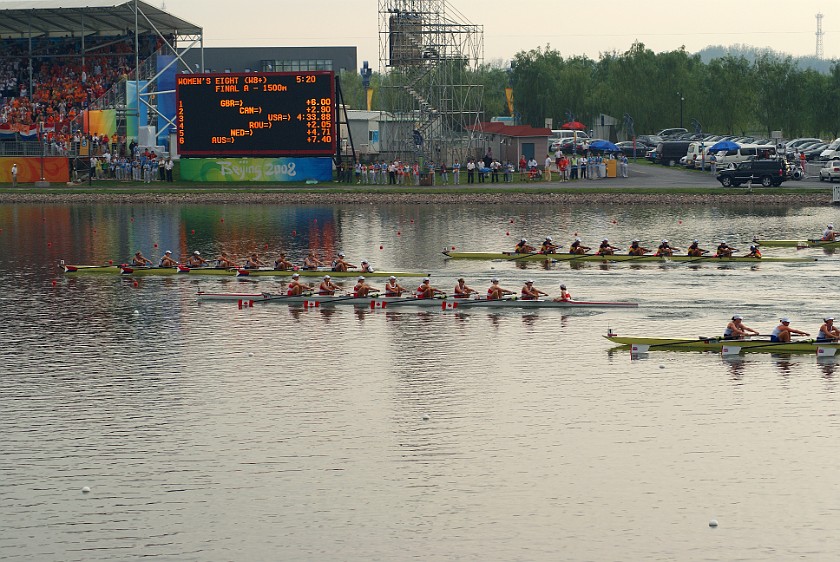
(820, 34)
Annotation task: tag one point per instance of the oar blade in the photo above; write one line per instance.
(729, 350)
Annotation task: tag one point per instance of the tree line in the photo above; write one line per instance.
(726, 95)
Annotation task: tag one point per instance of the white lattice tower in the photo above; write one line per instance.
(820, 34)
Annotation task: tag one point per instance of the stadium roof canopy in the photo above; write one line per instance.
(61, 18)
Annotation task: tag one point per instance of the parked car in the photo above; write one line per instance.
(767, 172)
(569, 145)
(627, 148)
(671, 132)
(745, 152)
(830, 171)
(814, 152)
(651, 140)
(669, 153)
(831, 151)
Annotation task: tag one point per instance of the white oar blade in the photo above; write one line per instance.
(730, 350)
(639, 348)
(826, 351)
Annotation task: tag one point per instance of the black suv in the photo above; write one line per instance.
(767, 172)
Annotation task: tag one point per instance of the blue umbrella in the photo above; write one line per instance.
(603, 145)
(724, 145)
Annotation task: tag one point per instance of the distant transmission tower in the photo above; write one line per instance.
(819, 37)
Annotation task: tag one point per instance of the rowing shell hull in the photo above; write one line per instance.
(747, 346)
(229, 272)
(797, 244)
(613, 258)
(378, 302)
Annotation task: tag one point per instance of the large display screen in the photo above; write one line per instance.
(256, 114)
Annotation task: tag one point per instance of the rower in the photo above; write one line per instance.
(695, 251)
(141, 260)
(311, 262)
(829, 235)
(529, 292)
(462, 291)
(196, 260)
(224, 261)
(754, 252)
(362, 289)
(495, 292)
(564, 295)
(635, 249)
(522, 247)
(393, 288)
(282, 263)
(166, 260)
(548, 247)
(366, 267)
(327, 287)
(339, 264)
(253, 262)
(828, 331)
(782, 332)
(296, 287)
(665, 249)
(736, 329)
(426, 291)
(606, 249)
(577, 247)
(724, 250)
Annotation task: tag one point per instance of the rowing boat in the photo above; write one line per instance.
(386, 302)
(810, 243)
(727, 347)
(615, 258)
(227, 271)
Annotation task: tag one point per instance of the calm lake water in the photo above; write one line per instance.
(205, 432)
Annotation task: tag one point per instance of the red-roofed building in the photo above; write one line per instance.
(508, 142)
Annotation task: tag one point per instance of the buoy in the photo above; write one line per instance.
(507, 233)
(221, 220)
(380, 246)
(511, 221)
(132, 219)
(266, 246)
(53, 282)
(294, 233)
(49, 244)
(679, 221)
(453, 247)
(94, 231)
(155, 244)
(713, 523)
(192, 231)
(110, 262)
(86, 490)
(412, 221)
(136, 284)
(399, 233)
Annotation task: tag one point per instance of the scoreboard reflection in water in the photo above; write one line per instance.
(256, 114)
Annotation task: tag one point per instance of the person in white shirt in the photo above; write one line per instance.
(14, 175)
(548, 168)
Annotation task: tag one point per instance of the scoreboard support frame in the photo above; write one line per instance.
(341, 109)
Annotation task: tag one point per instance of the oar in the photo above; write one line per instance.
(269, 297)
(570, 257)
(523, 256)
(771, 344)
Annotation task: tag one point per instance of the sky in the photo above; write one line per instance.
(511, 27)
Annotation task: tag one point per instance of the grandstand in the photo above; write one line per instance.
(88, 76)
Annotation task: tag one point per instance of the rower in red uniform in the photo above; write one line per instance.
(327, 287)
(695, 251)
(529, 292)
(564, 295)
(362, 289)
(548, 247)
(724, 250)
(522, 247)
(578, 248)
(296, 287)
(606, 249)
(426, 291)
(393, 288)
(665, 249)
(755, 252)
(635, 249)
(462, 291)
(495, 292)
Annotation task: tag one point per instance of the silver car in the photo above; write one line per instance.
(830, 171)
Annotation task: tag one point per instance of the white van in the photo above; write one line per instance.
(701, 154)
(566, 133)
(746, 152)
(832, 151)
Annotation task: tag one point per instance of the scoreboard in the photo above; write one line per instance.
(256, 114)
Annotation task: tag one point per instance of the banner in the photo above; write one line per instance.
(131, 125)
(256, 169)
(165, 102)
(56, 170)
(101, 122)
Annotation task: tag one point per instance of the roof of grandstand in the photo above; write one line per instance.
(60, 18)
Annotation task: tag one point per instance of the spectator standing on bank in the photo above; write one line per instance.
(168, 167)
(456, 173)
(713, 164)
(444, 174)
(470, 171)
(548, 167)
(14, 174)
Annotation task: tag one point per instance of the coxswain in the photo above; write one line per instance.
(782, 332)
(695, 251)
(393, 288)
(462, 291)
(282, 263)
(522, 247)
(339, 264)
(548, 247)
(828, 331)
(495, 292)
(141, 260)
(296, 287)
(754, 252)
(362, 289)
(426, 291)
(736, 329)
(311, 262)
(665, 249)
(635, 249)
(564, 295)
(166, 260)
(224, 261)
(529, 292)
(327, 287)
(724, 250)
(196, 260)
(253, 262)
(577, 247)
(606, 249)
(828, 234)
(366, 267)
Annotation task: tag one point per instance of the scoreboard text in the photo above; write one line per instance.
(256, 114)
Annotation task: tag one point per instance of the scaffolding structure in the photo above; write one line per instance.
(429, 96)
